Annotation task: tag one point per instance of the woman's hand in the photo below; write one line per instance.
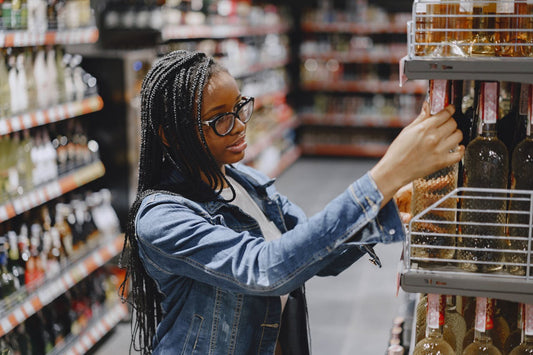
(426, 145)
(403, 201)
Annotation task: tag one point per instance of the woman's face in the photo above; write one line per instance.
(221, 95)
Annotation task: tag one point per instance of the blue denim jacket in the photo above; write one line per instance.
(221, 280)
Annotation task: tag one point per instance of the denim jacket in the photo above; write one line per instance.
(221, 280)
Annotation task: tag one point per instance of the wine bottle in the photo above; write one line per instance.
(7, 280)
(456, 323)
(526, 346)
(515, 338)
(484, 323)
(483, 25)
(483, 213)
(434, 342)
(521, 173)
(509, 127)
(513, 28)
(427, 191)
(464, 123)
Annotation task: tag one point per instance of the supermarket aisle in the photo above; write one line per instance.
(350, 314)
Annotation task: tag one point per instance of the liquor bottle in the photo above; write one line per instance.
(513, 36)
(526, 346)
(484, 323)
(31, 86)
(464, 122)
(427, 191)
(463, 26)
(515, 338)
(522, 168)
(62, 213)
(509, 127)
(7, 280)
(501, 329)
(434, 343)
(485, 166)
(421, 29)
(13, 262)
(483, 25)
(456, 323)
(420, 331)
(5, 92)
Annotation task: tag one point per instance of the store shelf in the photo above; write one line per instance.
(287, 159)
(392, 56)
(353, 120)
(49, 115)
(353, 150)
(96, 330)
(22, 38)
(272, 98)
(369, 86)
(257, 68)
(51, 190)
(219, 31)
(482, 68)
(355, 28)
(266, 140)
(16, 314)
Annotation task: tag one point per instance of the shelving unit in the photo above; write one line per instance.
(337, 83)
(23, 38)
(185, 32)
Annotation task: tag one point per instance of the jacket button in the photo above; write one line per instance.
(392, 231)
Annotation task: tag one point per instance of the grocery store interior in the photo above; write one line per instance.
(334, 82)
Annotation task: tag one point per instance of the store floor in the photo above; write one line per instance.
(350, 314)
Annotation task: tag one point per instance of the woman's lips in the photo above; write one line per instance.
(239, 146)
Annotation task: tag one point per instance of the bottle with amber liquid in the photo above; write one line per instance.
(483, 26)
(526, 346)
(455, 322)
(427, 191)
(521, 179)
(484, 323)
(483, 213)
(513, 38)
(434, 342)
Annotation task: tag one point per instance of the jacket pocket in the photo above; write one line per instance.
(191, 340)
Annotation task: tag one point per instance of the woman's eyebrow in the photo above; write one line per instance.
(216, 108)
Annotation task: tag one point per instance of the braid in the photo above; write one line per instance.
(171, 100)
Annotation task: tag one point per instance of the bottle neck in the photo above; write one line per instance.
(434, 333)
(488, 130)
(482, 337)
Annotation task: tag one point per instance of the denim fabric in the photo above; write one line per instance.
(221, 280)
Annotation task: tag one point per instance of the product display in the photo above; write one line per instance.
(434, 343)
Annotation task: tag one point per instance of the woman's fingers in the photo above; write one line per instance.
(452, 141)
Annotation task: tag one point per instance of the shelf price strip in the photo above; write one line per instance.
(22, 38)
(52, 114)
(51, 190)
(50, 291)
(220, 31)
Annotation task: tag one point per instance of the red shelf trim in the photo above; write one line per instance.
(49, 115)
(353, 120)
(23, 38)
(219, 31)
(276, 98)
(51, 290)
(51, 190)
(357, 28)
(371, 86)
(357, 57)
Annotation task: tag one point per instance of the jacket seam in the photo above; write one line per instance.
(236, 322)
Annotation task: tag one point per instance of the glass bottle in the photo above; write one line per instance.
(464, 122)
(526, 346)
(513, 36)
(484, 323)
(7, 280)
(421, 31)
(509, 127)
(456, 323)
(427, 191)
(5, 91)
(483, 25)
(521, 173)
(485, 166)
(463, 34)
(434, 343)
(515, 338)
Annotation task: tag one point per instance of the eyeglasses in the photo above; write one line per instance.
(223, 123)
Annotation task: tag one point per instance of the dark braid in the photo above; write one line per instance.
(171, 100)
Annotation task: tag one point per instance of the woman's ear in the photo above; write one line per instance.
(162, 135)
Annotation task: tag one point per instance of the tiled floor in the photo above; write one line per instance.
(350, 314)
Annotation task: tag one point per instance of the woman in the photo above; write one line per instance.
(217, 257)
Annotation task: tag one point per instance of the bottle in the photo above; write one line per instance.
(5, 92)
(522, 168)
(464, 122)
(456, 323)
(420, 331)
(501, 329)
(463, 34)
(484, 323)
(513, 35)
(427, 191)
(509, 127)
(13, 262)
(515, 337)
(483, 25)
(434, 343)
(422, 23)
(526, 346)
(7, 280)
(485, 166)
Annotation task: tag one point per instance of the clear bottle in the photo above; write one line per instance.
(434, 343)
(485, 166)
(427, 191)
(484, 323)
(5, 91)
(456, 323)
(526, 345)
(510, 126)
(521, 172)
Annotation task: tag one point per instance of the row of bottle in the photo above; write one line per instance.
(463, 28)
(39, 78)
(39, 244)
(67, 316)
(332, 70)
(33, 157)
(491, 229)
(149, 14)
(240, 56)
(41, 15)
(344, 44)
(384, 109)
(455, 325)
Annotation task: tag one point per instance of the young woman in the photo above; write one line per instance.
(217, 257)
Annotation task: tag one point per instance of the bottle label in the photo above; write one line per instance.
(505, 7)
(467, 6)
(421, 8)
(523, 106)
(439, 96)
(528, 319)
(484, 309)
(435, 311)
(490, 102)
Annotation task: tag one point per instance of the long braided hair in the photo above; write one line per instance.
(171, 101)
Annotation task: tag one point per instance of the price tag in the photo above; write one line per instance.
(26, 120)
(40, 118)
(4, 128)
(16, 123)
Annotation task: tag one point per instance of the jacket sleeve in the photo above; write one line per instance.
(176, 238)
